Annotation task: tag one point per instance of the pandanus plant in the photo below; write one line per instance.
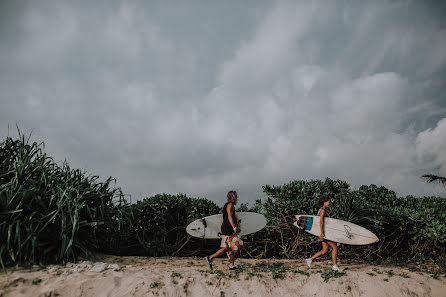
(48, 212)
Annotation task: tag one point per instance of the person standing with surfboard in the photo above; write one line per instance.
(229, 227)
(324, 203)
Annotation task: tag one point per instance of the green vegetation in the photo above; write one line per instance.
(176, 274)
(250, 274)
(155, 285)
(377, 271)
(327, 274)
(36, 281)
(409, 228)
(404, 275)
(158, 225)
(277, 269)
(217, 272)
(301, 272)
(51, 213)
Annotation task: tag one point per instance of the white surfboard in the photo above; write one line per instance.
(336, 230)
(210, 227)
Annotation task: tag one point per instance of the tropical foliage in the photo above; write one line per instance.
(432, 178)
(50, 212)
(408, 227)
(159, 224)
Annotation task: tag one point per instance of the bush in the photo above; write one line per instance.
(159, 224)
(49, 213)
(52, 213)
(409, 228)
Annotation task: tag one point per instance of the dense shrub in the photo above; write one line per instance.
(49, 212)
(409, 228)
(53, 213)
(159, 224)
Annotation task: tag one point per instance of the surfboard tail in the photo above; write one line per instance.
(304, 222)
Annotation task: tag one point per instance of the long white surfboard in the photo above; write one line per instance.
(210, 227)
(336, 230)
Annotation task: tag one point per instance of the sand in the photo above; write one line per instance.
(141, 276)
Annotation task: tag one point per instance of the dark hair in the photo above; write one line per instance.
(322, 200)
(232, 196)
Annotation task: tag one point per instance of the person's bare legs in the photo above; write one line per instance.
(318, 254)
(231, 259)
(322, 252)
(334, 252)
(218, 253)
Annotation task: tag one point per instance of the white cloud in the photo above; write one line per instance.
(369, 106)
(268, 53)
(129, 32)
(314, 90)
(305, 77)
(431, 144)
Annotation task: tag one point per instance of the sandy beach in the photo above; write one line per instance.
(141, 276)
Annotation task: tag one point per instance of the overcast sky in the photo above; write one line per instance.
(201, 97)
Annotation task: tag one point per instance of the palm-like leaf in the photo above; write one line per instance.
(431, 178)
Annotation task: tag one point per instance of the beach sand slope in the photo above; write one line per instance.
(141, 276)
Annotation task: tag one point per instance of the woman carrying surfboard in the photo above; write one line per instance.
(324, 203)
(228, 228)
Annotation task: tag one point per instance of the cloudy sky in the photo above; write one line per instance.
(201, 97)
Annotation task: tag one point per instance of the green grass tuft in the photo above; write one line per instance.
(327, 274)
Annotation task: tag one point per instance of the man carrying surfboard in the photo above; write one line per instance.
(324, 203)
(229, 227)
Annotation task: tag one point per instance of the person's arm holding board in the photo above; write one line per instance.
(232, 219)
(322, 215)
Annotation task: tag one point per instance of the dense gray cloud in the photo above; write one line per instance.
(203, 98)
